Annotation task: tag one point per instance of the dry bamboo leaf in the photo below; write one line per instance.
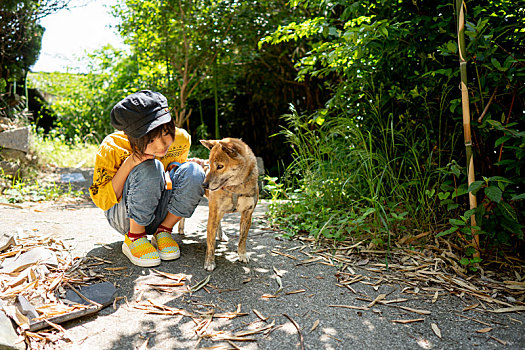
(165, 284)
(353, 280)
(254, 331)
(101, 260)
(177, 277)
(258, 314)
(233, 345)
(473, 306)
(307, 261)
(34, 335)
(115, 268)
(268, 296)
(284, 254)
(280, 283)
(377, 299)
(201, 284)
(436, 330)
(475, 320)
(232, 338)
(296, 291)
(314, 326)
(400, 300)
(409, 321)
(508, 309)
(435, 298)
(484, 330)
(498, 340)
(350, 307)
(420, 312)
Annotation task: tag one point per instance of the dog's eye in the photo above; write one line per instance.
(220, 166)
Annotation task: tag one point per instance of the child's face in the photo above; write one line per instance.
(159, 146)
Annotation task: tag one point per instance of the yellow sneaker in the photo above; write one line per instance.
(168, 248)
(140, 252)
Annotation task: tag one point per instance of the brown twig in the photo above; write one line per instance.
(488, 105)
(82, 296)
(301, 339)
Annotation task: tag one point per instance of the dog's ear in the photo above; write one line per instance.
(230, 149)
(209, 143)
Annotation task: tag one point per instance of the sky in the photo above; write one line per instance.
(72, 33)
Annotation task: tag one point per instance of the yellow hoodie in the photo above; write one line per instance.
(111, 154)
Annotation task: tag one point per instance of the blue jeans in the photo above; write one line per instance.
(146, 200)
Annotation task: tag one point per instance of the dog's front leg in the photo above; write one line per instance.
(214, 220)
(181, 226)
(246, 222)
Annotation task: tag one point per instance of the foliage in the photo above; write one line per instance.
(51, 151)
(83, 102)
(20, 42)
(55, 150)
(382, 143)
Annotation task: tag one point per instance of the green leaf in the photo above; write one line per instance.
(443, 195)
(456, 222)
(501, 140)
(451, 46)
(518, 197)
(447, 232)
(475, 186)
(508, 211)
(493, 193)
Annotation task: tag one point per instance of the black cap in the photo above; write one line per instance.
(141, 112)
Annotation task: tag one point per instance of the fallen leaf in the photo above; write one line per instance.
(435, 298)
(350, 307)
(200, 284)
(314, 326)
(115, 268)
(268, 296)
(409, 321)
(484, 330)
(473, 306)
(508, 309)
(296, 291)
(417, 311)
(362, 262)
(377, 299)
(258, 314)
(436, 330)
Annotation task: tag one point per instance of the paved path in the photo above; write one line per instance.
(308, 291)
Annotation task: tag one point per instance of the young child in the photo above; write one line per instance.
(143, 180)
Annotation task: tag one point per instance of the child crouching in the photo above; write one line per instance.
(143, 179)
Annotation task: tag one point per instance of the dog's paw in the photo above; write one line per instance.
(209, 265)
(244, 258)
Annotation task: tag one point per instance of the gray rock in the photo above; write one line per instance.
(15, 139)
(7, 153)
(9, 168)
(102, 293)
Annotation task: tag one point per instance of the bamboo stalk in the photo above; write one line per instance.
(460, 8)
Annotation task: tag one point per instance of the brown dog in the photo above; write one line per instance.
(231, 186)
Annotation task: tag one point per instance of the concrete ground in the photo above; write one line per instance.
(299, 297)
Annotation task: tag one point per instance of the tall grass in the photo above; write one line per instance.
(346, 180)
(55, 150)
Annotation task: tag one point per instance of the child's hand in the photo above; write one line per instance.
(202, 162)
(137, 159)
